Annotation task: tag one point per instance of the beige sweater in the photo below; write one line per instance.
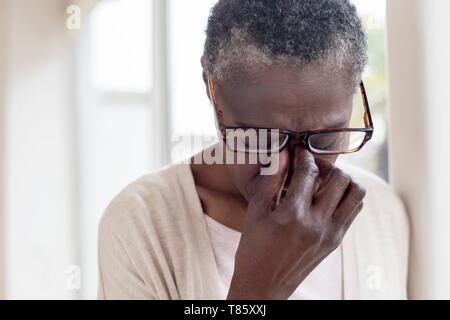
(154, 244)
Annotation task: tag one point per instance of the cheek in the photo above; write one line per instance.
(331, 159)
(241, 175)
(247, 178)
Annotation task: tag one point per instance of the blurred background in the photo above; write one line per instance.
(95, 93)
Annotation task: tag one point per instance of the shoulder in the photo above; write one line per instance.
(146, 234)
(384, 217)
(378, 191)
(379, 238)
(141, 204)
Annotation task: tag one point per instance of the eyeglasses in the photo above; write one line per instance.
(271, 140)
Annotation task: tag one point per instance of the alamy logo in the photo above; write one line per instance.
(241, 147)
(73, 280)
(373, 279)
(74, 20)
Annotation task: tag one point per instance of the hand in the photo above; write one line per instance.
(280, 245)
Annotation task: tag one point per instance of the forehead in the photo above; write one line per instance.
(288, 98)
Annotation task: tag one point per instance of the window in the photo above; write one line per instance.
(191, 114)
(375, 154)
(116, 114)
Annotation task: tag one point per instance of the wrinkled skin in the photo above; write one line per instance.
(282, 243)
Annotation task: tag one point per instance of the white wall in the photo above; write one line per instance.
(118, 109)
(419, 64)
(39, 151)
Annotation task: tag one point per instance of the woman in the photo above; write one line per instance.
(226, 229)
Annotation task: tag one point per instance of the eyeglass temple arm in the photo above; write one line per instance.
(212, 95)
(367, 115)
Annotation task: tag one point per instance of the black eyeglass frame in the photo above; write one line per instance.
(298, 137)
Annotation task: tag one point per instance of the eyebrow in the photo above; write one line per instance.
(338, 125)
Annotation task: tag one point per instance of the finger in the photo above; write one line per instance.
(325, 169)
(352, 217)
(267, 189)
(331, 191)
(352, 198)
(305, 173)
(339, 229)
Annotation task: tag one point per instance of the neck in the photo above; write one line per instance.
(220, 199)
(213, 176)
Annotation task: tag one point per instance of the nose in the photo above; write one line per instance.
(294, 142)
(303, 144)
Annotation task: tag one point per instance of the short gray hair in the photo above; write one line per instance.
(244, 36)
